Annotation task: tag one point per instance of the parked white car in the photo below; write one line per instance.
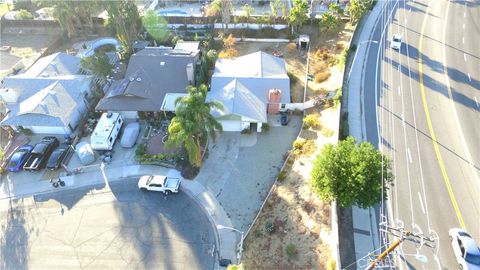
(396, 42)
(465, 248)
(159, 183)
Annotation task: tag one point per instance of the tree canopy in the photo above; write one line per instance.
(329, 22)
(358, 8)
(351, 173)
(193, 123)
(98, 65)
(299, 13)
(156, 26)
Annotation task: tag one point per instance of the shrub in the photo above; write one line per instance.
(322, 76)
(212, 56)
(311, 121)
(141, 150)
(26, 131)
(327, 132)
(265, 127)
(291, 250)
(246, 131)
(269, 226)
(292, 46)
(228, 53)
(337, 99)
(319, 66)
(23, 14)
(343, 58)
(303, 147)
(281, 176)
(331, 264)
(235, 267)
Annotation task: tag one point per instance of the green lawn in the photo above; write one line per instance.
(4, 9)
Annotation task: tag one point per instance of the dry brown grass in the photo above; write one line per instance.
(318, 66)
(303, 147)
(339, 46)
(322, 76)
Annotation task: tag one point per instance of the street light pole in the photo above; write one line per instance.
(240, 245)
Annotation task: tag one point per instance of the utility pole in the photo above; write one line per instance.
(417, 238)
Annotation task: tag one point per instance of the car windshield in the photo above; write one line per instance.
(12, 163)
(149, 180)
(473, 259)
(396, 39)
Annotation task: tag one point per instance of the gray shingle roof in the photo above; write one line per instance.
(160, 71)
(56, 64)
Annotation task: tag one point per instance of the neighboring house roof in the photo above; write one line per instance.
(239, 100)
(53, 105)
(53, 65)
(50, 93)
(151, 74)
(259, 72)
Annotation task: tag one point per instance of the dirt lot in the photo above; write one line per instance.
(27, 47)
(293, 216)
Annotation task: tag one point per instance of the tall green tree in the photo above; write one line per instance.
(98, 65)
(328, 22)
(298, 14)
(156, 26)
(351, 173)
(193, 123)
(124, 16)
(358, 8)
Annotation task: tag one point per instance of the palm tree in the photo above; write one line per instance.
(193, 123)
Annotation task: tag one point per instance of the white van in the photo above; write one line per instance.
(106, 131)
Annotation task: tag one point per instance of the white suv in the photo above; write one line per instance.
(466, 250)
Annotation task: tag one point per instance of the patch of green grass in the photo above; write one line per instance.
(4, 8)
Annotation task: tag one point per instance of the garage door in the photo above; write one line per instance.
(231, 125)
(48, 130)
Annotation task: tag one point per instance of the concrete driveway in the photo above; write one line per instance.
(116, 227)
(241, 169)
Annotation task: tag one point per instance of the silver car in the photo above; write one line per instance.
(130, 135)
(466, 250)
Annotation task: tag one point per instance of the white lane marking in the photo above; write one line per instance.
(398, 90)
(463, 26)
(421, 202)
(469, 78)
(465, 57)
(476, 101)
(464, 14)
(463, 40)
(403, 119)
(409, 10)
(398, 67)
(409, 155)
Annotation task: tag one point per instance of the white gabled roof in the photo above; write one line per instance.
(254, 65)
(239, 100)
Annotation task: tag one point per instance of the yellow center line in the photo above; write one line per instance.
(430, 127)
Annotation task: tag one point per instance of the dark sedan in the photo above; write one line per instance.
(57, 157)
(19, 157)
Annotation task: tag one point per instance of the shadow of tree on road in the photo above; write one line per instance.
(14, 241)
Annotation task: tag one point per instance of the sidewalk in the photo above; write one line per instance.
(365, 224)
(226, 241)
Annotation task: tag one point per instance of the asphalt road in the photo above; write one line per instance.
(109, 228)
(424, 99)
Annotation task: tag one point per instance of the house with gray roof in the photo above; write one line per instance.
(245, 85)
(153, 75)
(51, 97)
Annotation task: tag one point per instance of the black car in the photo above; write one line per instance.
(284, 118)
(41, 152)
(58, 156)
